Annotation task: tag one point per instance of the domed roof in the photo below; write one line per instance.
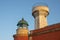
(40, 4)
(21, 22)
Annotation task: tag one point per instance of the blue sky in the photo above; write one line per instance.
(11, 11)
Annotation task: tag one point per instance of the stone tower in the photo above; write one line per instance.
(40, 13)
(22, 30)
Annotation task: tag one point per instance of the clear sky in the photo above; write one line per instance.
(11, 11)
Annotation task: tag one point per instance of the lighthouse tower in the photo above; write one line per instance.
(22, 30)
(40, 13)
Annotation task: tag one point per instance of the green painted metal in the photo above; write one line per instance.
(22, 22)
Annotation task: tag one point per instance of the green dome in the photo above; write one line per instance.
(21, 22)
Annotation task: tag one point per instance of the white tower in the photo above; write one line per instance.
(40, 13)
